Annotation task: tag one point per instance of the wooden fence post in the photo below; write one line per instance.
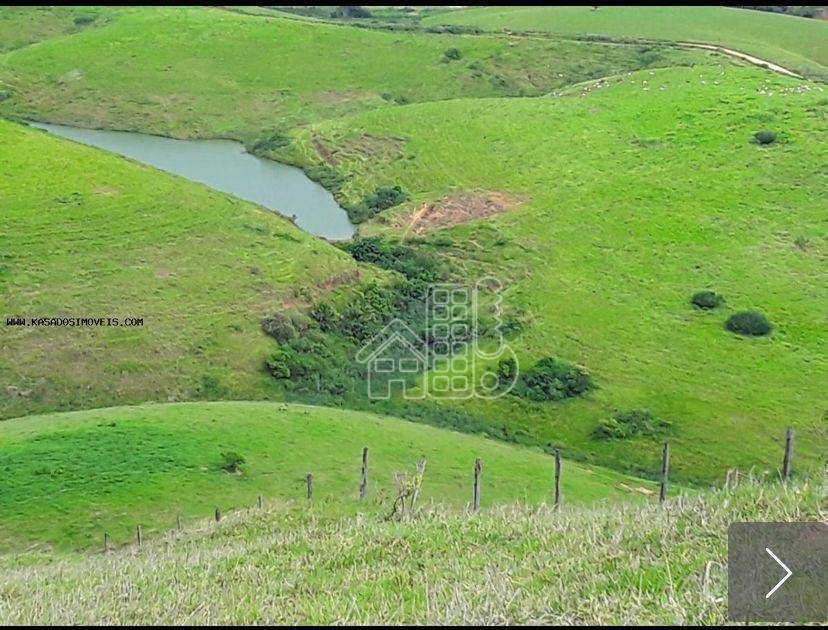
(218, 515)
(363, 484)
(478, 470)
(665, 472)
(787, 463)
(557, 476)
(138, 534)
(418, 482)
(260, 502)
(179, 523)
(310, 486)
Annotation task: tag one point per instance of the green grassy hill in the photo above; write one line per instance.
(620, 564)
(67, 478)
(88, 234)
(615, 220)
(208, 72)
(23, 26)
(794, 42)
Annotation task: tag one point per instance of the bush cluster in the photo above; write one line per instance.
(628, 424)
(707, 299)
(764, 137)
(284, 325)
(383, 198)
(274, 141)
(750, 323)
(231, 461)
(453, 54)
(552, 379)
(351, 12)
(395, 256)
(83, 20)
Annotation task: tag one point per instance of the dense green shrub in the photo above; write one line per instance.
(368, 313)
(627, 424)
(327, 177)
(551, 379)
(278, 365)
(382, 198)
(765, 137)
(385, 197)
(284, 326)
(274, 141)
(453, 54)
(707, 299)
(395, 256)
(326, 316)
(750, 323)
(83, 20)
(231, 461)
(506, 370)
(351, 12)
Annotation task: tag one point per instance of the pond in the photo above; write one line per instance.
(226, 166)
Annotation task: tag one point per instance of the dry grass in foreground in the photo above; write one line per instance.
(288, 565)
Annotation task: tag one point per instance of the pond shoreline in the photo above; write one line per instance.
(225, 165)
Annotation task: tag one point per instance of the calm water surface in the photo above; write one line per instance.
(225, 166)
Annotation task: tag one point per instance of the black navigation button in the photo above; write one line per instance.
(777, 572)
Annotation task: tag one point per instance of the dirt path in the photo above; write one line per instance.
(740, 55)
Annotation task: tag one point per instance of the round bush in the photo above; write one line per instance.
(751, 323)
(765, 137)
(707, 299)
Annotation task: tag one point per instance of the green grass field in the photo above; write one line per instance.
(67, 478)
(88, 234)
(23, 26)
(202, 72)
(627, 178)
(616, 565)
(796, 43)
(623, 217)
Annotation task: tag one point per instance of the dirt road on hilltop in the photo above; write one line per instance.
(740, 55)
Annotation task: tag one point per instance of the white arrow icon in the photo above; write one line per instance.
(782, 581)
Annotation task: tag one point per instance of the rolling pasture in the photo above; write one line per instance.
(797, 43)
(619, 219)
(23, 26)
(88, 234)
(208, 72)
(634, 197)
(68, 478)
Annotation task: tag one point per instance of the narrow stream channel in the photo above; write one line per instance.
(226, 166)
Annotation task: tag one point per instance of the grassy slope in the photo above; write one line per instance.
(67, 478)
(88, 234)
(23, 26)
(610, 565)
(796, 43)
(209, 72)
(626, 215)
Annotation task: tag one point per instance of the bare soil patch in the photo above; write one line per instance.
(323, 151)
(457, 208)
